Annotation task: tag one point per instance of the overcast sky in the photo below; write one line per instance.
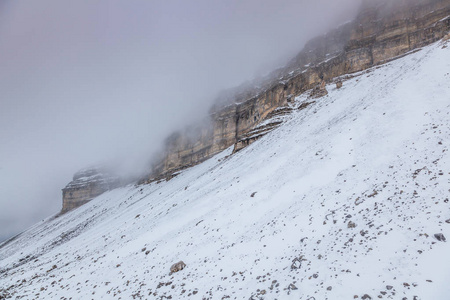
(86, 81)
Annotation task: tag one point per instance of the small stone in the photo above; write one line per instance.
(365, 296)
(440, 237)
(351, 224)
(329, 288)
(389, 287)
(447, 221)
(338, 84)
(292, 287)
(296, 263)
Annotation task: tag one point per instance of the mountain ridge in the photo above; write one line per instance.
(343, 199)
(376, 36)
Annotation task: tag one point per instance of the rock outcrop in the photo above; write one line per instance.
(86, 185)
(382, 31)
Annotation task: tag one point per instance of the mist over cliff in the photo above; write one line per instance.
(87, 82)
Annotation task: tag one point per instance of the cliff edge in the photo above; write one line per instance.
(86, 185)
(381, 32)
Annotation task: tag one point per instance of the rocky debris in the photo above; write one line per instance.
(319, 91)
(177, 267)
(297, 263)
(351, 224)
(440, 237)
(5, 294)
(305, 105)
(291, 287)
(339, 84)
(274, 285)
(267, 124)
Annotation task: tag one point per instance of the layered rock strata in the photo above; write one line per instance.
(381, 32)
(86, 185)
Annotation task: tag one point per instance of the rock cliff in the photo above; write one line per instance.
(86, 185)
(382, 31)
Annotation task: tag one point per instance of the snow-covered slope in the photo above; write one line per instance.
(341, 201)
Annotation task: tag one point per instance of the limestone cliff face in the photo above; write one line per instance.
(380, 32)
(86, 185)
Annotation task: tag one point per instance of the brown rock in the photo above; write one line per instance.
(351, 224)
(177, 267)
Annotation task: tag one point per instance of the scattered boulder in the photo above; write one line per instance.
(177, 267)
(365, 296)
(447, 221)
(351, 224)
(440, 237)
(339, 84)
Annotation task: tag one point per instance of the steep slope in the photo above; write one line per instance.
(341, 201)
(382, 31)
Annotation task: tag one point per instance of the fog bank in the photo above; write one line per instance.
(84, 82)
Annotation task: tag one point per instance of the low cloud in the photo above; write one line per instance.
(84, 82)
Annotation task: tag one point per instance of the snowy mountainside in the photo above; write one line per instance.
(342, 201)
